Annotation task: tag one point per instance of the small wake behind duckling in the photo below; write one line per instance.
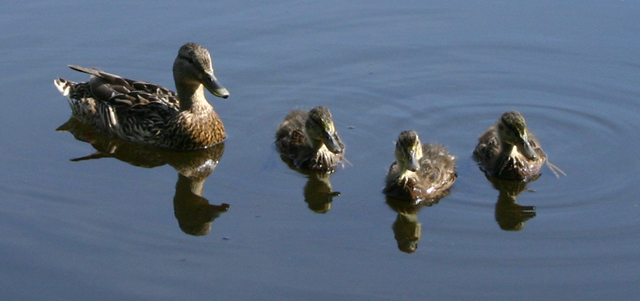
(555, 169)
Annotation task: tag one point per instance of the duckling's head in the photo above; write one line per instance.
(193, 67)
(320, 130)
(408, 151)
(512, 130)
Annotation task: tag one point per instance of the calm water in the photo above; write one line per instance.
(112, 228)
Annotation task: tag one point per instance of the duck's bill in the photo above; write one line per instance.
(527, 150)
(212, 84)
(412, 161)
(332, 144)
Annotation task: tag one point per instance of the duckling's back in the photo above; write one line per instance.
(437, 167)
(290, 138)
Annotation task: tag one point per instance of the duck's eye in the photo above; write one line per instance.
(319, 123)
(188, 59)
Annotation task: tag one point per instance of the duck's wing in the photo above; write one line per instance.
(120, 91)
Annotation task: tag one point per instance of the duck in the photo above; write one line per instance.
(509, 150)
(310, 140)
(149, 114)
(420, 172)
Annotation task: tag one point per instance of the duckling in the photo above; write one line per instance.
(508, 150)
(420, 172)
(149, 114)
(310, 140)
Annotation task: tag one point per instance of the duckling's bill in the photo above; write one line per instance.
(526, 148)
(331, 143)
(412, 161)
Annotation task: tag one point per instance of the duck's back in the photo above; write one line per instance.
(290, 138)
(127, 109)
(488, 149)
(437, 168)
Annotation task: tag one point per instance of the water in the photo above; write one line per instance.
(107, 229)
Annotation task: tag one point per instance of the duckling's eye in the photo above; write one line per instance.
(320, 123)
(327, 126)
(403, 146)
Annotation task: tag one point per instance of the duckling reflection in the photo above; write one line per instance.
(407, 229)
(510, 215)
(318, 192)
(194, 213)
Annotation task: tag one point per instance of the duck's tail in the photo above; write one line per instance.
(63, 85)
(66, 86)
(91, 71)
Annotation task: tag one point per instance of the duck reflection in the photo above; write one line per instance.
(510, 215)
(194, 213)
(318, 193)
(407, 229)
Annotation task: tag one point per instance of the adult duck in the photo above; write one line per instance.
(149, 114)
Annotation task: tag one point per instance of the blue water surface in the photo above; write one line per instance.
(109, 230)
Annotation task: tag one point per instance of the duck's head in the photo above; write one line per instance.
(193, 67)
(408, 151)
(512, 129)
(319, 128)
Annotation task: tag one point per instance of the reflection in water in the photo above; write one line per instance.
(193, 212)
(510, 215)
(406, 228)
(318, 193)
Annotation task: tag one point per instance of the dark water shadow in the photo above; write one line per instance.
(318, 193)
(407, 229)
(194, 213)
(510, 215)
